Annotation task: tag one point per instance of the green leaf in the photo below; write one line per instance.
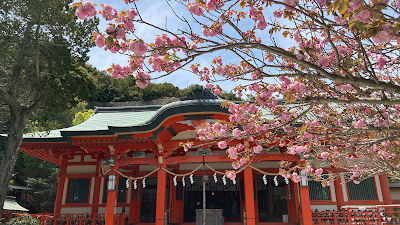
(360, 26)
(343, 6)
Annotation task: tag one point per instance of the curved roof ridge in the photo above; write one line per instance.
(173, 105)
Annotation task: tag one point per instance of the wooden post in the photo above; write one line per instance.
(305, 205)
(339, 192)
(112, 199)
(96, 190)
(60, 186)
(161, 192)
(387, 199)
(249, 196)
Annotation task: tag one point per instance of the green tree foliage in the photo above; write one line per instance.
(26, 220)
(82, 115)
(104, 88)
(42, 49)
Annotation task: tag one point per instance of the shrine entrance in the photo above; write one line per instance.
(218, 196)
(148, 201)
(272, 200)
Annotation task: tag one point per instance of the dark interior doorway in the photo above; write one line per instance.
(148, 201)
(272, 205)
(218, 196)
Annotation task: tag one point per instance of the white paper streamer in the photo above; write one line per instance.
(265, 179)
(224, 179)
(144, 182)
(183, 181)
(276, 180)
(127, 183)
(191, 178)
(175, 182)
(215, 177)
(286, 180)
(135, 184)
(234, 182)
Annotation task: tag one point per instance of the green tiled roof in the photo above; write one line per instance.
(126, 117)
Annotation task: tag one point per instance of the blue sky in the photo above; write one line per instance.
(159, 13)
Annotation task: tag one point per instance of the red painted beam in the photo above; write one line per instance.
(207, 158)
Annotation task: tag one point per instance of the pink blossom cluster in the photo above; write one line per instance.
(211, 131)
(100, 41)
(323, 62)
(354, 5)
(211, 32)
(138, 47)
(257, 16)
(88, 10)
(142, 79)
(355, 178)
(344, 88)
(383, 36)
(119, 71)
(360, 123)
(278, 13)
(295, 177)
(298, 149)
(363, 16)
(109, 13)
(195, 8)
(380, 62)
(214, 4)
(232, 175)
(160, 64)
(290, 4)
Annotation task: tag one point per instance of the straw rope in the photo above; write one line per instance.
(263, 172)
(181, 175)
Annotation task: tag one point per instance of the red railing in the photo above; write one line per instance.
(68, 219)
(355, 216)
(120, 219)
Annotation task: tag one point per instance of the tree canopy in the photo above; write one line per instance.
(42, 48)
(333, 64)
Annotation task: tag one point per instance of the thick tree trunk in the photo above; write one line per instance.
(14, 139)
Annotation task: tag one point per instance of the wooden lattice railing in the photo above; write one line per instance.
(354, 216)
(67, 219)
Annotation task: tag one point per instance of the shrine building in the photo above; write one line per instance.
(98, 156)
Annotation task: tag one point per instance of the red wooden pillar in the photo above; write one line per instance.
(112, 199)
(339, 192)
(387, 199)
(305, 205)
(161, 193)
(249, 196)
(60, 186)
(96, 194)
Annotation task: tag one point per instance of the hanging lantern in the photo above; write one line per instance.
(304, 180)
(112, 180)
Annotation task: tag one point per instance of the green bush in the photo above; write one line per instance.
(26, 220)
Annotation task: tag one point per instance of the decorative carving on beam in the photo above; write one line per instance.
(176, 160)
(196, 123)
(138, 161)
(273, 157)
